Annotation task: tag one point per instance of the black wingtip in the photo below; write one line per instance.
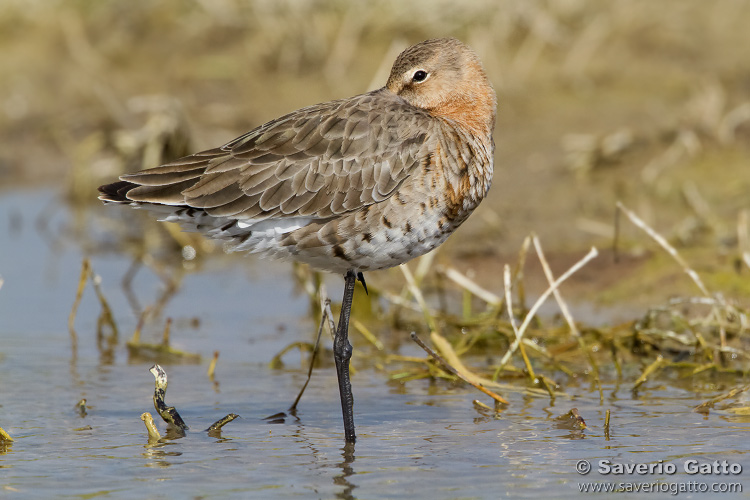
(116, 192)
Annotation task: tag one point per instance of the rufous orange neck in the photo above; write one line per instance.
(474, 109)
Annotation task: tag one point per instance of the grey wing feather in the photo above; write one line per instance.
(320, 162)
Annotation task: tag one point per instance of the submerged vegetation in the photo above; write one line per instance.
(507, 347)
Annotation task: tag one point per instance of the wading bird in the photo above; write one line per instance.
(346, 186)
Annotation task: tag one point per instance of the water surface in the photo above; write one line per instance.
(421, 439)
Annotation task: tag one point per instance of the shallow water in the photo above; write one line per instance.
(417, 440)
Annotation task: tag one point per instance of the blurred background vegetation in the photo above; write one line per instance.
(634, 100)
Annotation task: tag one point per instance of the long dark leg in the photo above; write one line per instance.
(342, 353)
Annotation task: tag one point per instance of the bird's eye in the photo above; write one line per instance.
(419, 76)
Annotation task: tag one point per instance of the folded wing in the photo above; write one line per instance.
(317, 162)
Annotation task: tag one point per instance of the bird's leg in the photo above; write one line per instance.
(342, 353)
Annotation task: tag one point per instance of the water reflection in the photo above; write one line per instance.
(5, 448)
(347, 471)
(157, 456)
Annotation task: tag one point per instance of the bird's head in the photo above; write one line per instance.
(446, 78)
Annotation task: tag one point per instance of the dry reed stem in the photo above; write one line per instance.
(467, 284)
(107, 317)
(326, 317)
(212, 366)
(417, 293)
(606, 425)
(703, 407)
(530, 315)
(367, 334)
(665, 245)
(466, 376)
(549, 387)
(509, 304)
(5, 437)
(424, 265)
(327, 310)
(568, 317)
(153, 432)
(654, 367)
(481, 406)
(518, 272)
(449, 355)
(85, 271)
